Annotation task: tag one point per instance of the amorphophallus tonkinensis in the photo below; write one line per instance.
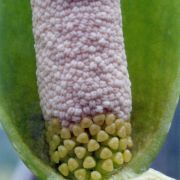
(84, 86)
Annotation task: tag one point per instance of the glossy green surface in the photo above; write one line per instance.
(152, 42)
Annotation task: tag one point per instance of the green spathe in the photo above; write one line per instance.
(152, 43)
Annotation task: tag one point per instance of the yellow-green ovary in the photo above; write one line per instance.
(85, 155)
(83, 84)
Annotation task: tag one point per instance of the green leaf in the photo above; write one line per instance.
(152, 40)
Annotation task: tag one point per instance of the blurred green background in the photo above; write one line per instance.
(168, 161)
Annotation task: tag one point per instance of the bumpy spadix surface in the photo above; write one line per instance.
(81, 61)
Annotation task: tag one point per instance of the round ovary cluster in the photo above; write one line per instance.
(81, 61)
(91, 149)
